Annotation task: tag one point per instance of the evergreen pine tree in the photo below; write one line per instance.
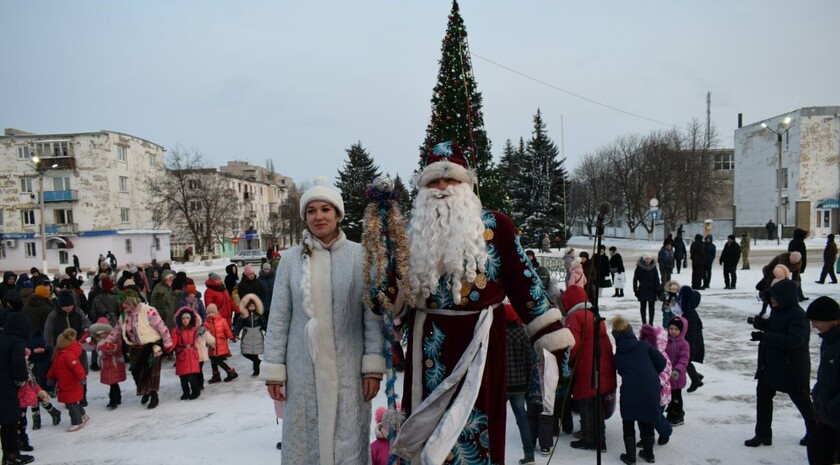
(511, 167)
(544, 208)
(456, 111)
(403, 198)
(353, 180)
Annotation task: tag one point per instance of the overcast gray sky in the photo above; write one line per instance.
(298, 82)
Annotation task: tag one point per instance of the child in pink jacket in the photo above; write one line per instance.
(679, 352)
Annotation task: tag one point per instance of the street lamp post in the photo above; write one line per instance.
(786, 125)
(42, 170)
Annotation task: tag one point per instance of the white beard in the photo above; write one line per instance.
(446, 235)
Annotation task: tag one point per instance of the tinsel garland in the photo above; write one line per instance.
(385, 243)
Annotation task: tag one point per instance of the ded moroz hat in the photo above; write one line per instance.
(445, 160)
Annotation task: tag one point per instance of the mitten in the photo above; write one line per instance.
(675, 376)
(756, 336)
(759, 323)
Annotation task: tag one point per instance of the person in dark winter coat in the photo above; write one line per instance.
(602, 267)
(13, 374)
(791, 261)
(639, 364)
(771, 230)
(617, 272)
(697, 253)
(250, 284)
(580, 321)
(40, 305)
(231, 278)
(267, 276)
(729, 259)
(666, 259)
(9, 279)
(646, 286)
(680, 253)
(710, 250)
(824, 437)
(797, 244)
(689, 300)
(829, 257)
(164, 300)
(784, 362)
(518, 363)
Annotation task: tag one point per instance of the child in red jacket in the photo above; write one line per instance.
(67, 372)
(111, 361)
(219, 328)
(185, 339)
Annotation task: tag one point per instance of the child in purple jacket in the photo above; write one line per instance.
(679, 353)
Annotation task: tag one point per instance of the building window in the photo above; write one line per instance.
(784, 178)
(122, 153)
(23, 152)
(1, 217)
(128, 246)
(28, 217)
(63, 216)
(123, 183)
(157, 243)
(30, 250)
(725, 161)
(152, 159)
(55, 149)
(61, 183)
(63, 258)
(193, 183)
(124, 215)
(2, 250)
(25, 185)
(156, 216)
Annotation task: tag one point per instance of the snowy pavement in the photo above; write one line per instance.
(234, 422)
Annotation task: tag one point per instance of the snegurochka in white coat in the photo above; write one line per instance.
(323, 348)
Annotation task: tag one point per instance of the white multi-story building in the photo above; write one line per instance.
(810, 162)
(94, 199)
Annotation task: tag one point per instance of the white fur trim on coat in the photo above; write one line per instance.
(555, 340)
(444, 170)
(373, 364)
(540, 322)
(243, 305)
(273, 372)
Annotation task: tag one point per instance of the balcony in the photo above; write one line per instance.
(62, 163)
(63, 228)
(60, 196)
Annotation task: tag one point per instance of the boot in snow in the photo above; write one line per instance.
(647, 449)
(629, 456)
(36, 420)
(217, 378)
(153, 400)
(54, 413)
(231, 375)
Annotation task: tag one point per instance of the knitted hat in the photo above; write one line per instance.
(321, 191)
(214, 277)
(795, 257)
(43, 291)
(573, 295)
(823, 309)
(780, 272)
(65, 299)
(167, 274)
(191, 289)
(70, 269)
(620, 326)
(248, 270)
(445, 161)
(132, 270)
(647, 255)
(107, 284)
(27, 284)
(676, 321)
(211, 307)
(65, 338)
(266, 266)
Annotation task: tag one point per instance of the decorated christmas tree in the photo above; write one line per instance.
(456, 109)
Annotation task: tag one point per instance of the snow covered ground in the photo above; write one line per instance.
(234, 422)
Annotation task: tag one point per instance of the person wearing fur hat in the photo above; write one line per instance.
(185, 339)
(250, 285)
(790, 260)
(69, 376)
(319, 333)
(250, 329)
(784, 361)
(13, 373)
(141, 328)
(579, 320)
(729, 259)
(639, 364)
(462, 262)
(112, 361)
(669, 302)
(646, 286)
(829, 259)
(216, 294)
(824, 437)
(163, 299)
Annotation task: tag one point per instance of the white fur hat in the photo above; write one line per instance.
(323, 192)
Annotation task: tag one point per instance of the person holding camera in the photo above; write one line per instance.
(824, 443)
(784, 362)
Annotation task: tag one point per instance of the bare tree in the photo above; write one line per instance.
(591, 186)
(189, 197)
(293, 225)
